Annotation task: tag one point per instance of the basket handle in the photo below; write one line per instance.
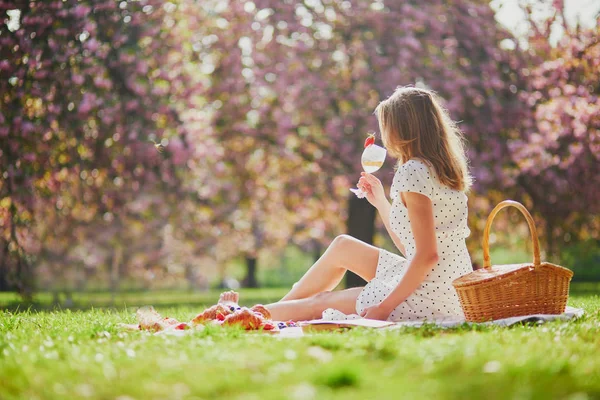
(487, 263)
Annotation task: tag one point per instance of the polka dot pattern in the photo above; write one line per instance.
(435, 298)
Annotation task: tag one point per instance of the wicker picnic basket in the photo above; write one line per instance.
(503, 291)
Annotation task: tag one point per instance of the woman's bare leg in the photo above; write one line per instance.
(313, 307)
(344, 253)
(230, 298)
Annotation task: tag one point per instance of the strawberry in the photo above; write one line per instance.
(220, 317)
(370, 140)
(268, 327)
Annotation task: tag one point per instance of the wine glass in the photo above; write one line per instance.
(372, 159)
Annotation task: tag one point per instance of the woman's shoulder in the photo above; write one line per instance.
(414, 175)
(414, 166)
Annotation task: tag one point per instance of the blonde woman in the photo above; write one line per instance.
(427, 220)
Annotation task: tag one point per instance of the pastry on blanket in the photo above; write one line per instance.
(262, 310)
(245, 318)
(217, 312)
(150, 320)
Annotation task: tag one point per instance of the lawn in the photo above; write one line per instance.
(159, 298)
(83, 354)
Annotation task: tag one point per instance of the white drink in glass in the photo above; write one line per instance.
(372, 159)
(371, 166)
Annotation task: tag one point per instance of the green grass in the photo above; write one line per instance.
(164, 298)
(83, 354)
(174, 298)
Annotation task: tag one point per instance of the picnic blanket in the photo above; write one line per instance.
(329, 324)
(355, 320)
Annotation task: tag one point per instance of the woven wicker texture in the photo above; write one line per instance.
(504, 291)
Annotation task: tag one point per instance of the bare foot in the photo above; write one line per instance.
(229, 298)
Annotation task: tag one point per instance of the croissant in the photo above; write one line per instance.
(257, 317)
(150, 320)
(245, 318)
(262, 310)
(212, 313)
(169, 321)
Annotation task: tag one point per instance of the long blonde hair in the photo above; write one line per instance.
(414, 124)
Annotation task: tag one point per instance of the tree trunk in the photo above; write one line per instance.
(317, 251)
(250, 280)
(25, 279)
(190, 276)
(361, 225)
(4, 285)
(115, 271)
(550, 246)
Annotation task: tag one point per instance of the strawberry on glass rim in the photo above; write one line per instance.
(370, 140)
(372, 159)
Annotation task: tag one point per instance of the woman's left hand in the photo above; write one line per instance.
(373, 189)
(375, 312)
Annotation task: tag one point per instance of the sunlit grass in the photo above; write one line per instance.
(83, 354)
(164, 298)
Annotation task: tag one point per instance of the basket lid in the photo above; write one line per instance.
(488, 274)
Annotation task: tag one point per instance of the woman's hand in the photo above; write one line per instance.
(375, 312)
(372, 188)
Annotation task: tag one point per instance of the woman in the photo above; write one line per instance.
(427, 220)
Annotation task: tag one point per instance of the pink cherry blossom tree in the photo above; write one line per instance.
(557, 151)
(84, 86)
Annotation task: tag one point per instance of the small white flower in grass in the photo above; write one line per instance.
(491, 367)
(99, 357)
(304, 391)
(183, 357)
(130, 353)
(319, 354)
(290, 354)
(85, 390)
(109, 371)
(283, 368)
(70, 339)
(181, 390)
(251, 396)
(257, 377)
(578, 396)
(59, 388)
(428, 365)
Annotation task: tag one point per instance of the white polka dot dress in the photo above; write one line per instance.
(435, 298)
